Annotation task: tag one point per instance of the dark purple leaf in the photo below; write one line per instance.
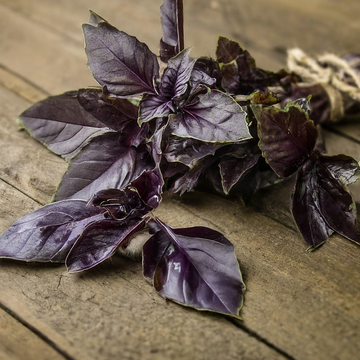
(172, 41)
(342, 167)
(120, 204)
(189, 179)
(119, 61)
(99, 241)
(64, 125)
(230, 78)
(255, 178)
(149, 186)
(227, 50)
(49, 233)
(112, 112)
(173, 88)
(166, 51)
(188, 151)
(321, 110)
(305, 208)
(119, 114)
(233, 169)
(199, 78)
(174, 82)
(240, 75)
(170, 170)
(153, 106)
(211, 117)
(158, 132)
(195, 267)
(287, 137)
(104, 163)
(335, 202)
(208, 66)
(321, 202)
(253, 78)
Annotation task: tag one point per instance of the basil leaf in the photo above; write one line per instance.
(287, 137)
(211, 117)
(100, 241)
(171, 12)
(106, 162)
(185, 265)
(67, 122)
(119, 61)
(48, 233)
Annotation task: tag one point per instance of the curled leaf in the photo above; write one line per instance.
(321, 107)
(188, 151)
(206, 71)
(189, 179)
(232, 170)
(240, 75)
(100, 241)
(120, 204)
(342, 167)
(150, 187)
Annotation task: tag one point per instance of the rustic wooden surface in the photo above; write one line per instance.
(298, 305)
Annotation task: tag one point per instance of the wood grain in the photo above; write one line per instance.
(28, 165)
(13, 334)
(265, 28)
(298, 305)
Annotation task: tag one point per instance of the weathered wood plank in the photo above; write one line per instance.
(28, 165)
(9, 213)
(349, 129)
(265, 28)
(21, 86)
(12, 333)
(38, 52)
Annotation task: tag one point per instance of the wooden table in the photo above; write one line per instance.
(297, 305)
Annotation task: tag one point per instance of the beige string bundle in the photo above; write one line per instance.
(335, 74)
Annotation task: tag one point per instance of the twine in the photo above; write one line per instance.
(336, 75)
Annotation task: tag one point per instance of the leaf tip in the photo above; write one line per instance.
(95, 19)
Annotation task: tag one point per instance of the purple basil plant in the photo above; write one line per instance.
(200, 123)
